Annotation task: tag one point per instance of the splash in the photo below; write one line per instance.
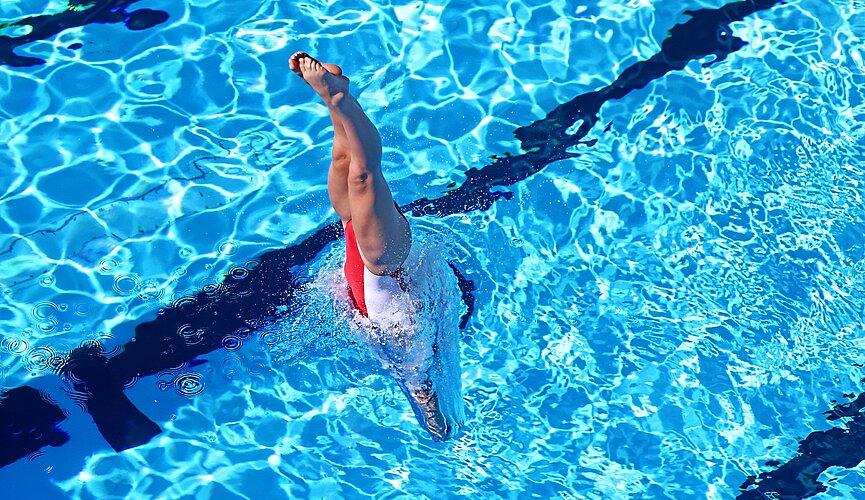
(417, 344)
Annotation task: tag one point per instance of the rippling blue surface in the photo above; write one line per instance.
(657, 318)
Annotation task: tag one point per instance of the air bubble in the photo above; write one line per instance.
(183, 302)
(47, 280)
(82, 309)
(190, 334)
(127, 384)
(107, 265)
(185, 252)
(127, 284)
(44, 310)
(189, 384)
(231, 343)
(92, 344)
(47, 325)
(238, 273)
(228, 248)
(164, 381)
(15, 345)
(150, 290)
(232, 366)
(269, 338)
(213, 289)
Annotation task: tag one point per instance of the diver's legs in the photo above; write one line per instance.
(359, 192)
(383, 234)
(337, 175)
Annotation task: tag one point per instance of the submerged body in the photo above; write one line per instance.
(414, 334)
(419, 351)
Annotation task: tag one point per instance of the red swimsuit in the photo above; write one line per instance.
(367, 290)
(354, 269)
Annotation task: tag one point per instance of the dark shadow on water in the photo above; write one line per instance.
(78, 13)
(799, 477)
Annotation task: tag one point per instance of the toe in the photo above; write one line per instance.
(332, 68)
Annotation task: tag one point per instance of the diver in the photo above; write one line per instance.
(378, 237)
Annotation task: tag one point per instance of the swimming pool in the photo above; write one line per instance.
(667, 299)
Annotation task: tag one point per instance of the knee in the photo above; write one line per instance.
(340, 161)
(359, 177)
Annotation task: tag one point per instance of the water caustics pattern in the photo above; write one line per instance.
(667, 310)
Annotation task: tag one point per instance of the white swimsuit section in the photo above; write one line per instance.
(382, 294)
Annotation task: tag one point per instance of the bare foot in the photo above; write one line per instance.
(293, 65)
(326, 79)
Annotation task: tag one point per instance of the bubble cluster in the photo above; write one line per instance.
(43, 359)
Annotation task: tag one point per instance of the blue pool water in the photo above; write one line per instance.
(667, 257)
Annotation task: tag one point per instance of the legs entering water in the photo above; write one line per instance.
(362, 199)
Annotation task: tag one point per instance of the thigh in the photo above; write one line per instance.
(383, 234)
